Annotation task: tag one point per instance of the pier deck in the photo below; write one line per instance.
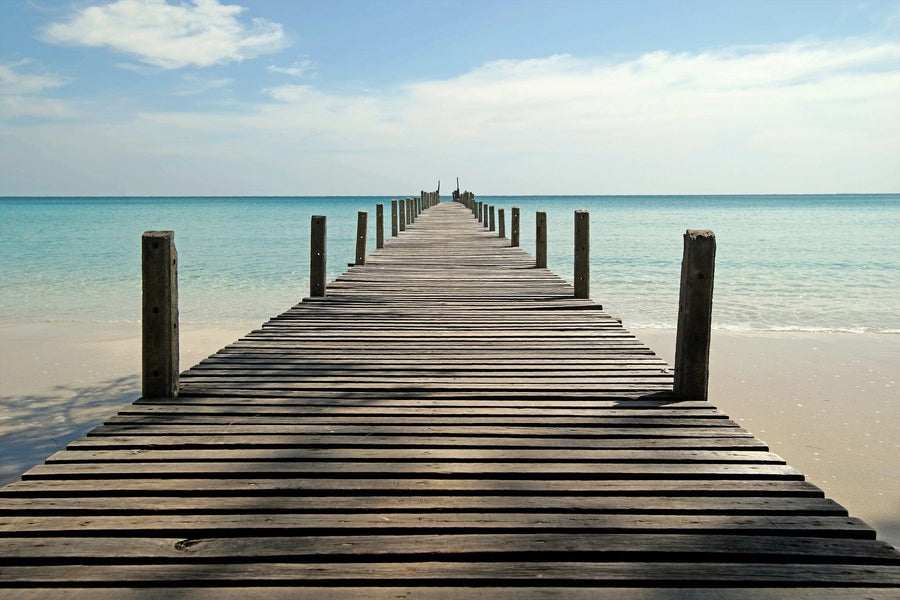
(449, 422)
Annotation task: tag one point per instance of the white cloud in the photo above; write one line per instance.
(803, 117)
(20, 94)
(193, 86)
(168, 36)
(13, 82)
(297, 69)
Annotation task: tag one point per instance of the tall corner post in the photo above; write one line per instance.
(379, 225)
(540, 242)
(514, 227)
(692, 339)
(492, 221)
(317, 256)
(362, 226)
(501, 223)
(159, 315)
(582, 254)
(394, 225)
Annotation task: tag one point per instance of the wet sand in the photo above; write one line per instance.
(828, 403)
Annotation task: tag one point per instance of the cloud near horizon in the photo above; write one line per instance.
(201, 34)
(812, 116)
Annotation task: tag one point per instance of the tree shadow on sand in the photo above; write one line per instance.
(32, 427)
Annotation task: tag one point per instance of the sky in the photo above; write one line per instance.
(386, 97)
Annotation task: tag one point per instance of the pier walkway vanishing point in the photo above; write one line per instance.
(447, 422)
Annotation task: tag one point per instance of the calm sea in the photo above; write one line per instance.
(807, 263)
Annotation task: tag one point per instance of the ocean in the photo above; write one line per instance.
(798, 263)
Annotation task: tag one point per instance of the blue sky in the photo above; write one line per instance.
(246, 97)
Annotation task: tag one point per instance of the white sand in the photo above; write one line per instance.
(60, 380)
(827, 403)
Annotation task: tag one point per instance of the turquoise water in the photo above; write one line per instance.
(806, 263)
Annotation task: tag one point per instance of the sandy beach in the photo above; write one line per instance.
(826, 402)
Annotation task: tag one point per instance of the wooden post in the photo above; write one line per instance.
(159, 315)
(582, 254)
(379, 225)
(362, 226)
(514, 227)
(540, 243)
(479, 212)
(394, 229)
(501, 223)
(695, 315)
(492, 223)
(402, 215)
(317, 257)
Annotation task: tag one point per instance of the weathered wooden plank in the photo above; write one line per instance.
(435, 521)
(544, 470)
(722, 505)
(254, 485)
(617, 547)
(463, 592)
(406, 454)
(476, 573)
(160, 442)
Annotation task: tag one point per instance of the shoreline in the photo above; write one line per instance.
(826, 402)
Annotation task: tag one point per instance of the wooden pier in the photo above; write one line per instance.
(448, 421)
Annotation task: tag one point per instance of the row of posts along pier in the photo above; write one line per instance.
(160, 289)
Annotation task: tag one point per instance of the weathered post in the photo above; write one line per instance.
(492, 222)
(394, 229)
(695, 315)
(379, 225)
(582, 254)
(402, 215)
(514, 227)
(501, 223)
(159, 315)
(362, 225)
(484, 216)
(540, 243)
(317, 257)
(480, 212)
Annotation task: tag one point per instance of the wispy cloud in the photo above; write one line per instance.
(21, 94)
(297, 68)
(194, 86)
(167, 36)
(804, 117)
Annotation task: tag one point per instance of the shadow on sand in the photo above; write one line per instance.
(33, 427)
